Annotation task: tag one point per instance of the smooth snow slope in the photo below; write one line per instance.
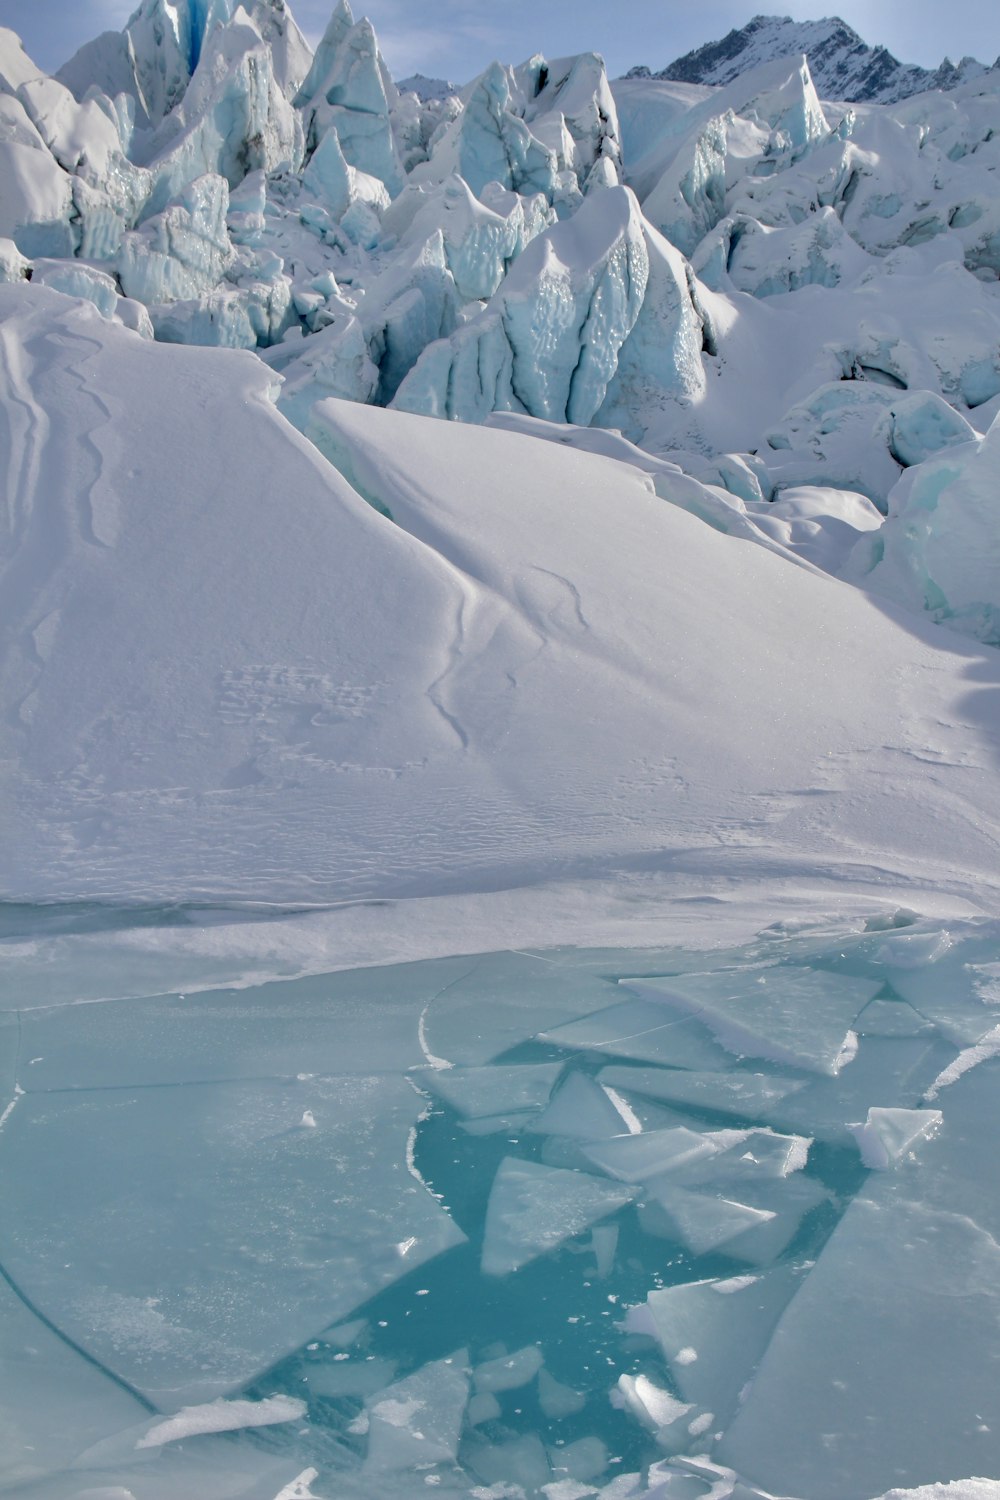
(225, 674)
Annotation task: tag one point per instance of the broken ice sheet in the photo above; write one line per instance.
(533, 1209)
(712, 1333)
(581, 1110)
(888, 1133)
(889, 1072)
(636, 1158)
(417, 1421)
(700, 1221)
(188, 1237)
(497, 1000)
(478, 1093)
(882, 1371)
(54, 1404)
(800, 1017)
(365, 1021)
(644, 1031)
(743, 1094)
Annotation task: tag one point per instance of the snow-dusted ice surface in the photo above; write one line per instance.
(499, 916)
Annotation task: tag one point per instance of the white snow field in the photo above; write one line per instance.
(499, 796)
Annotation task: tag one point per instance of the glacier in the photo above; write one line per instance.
(499, 898)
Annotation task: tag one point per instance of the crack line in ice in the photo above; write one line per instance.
(439, 1064)
(65, 1338)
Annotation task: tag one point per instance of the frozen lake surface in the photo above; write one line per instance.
(562, 1223)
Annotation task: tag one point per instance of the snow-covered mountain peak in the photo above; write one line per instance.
(843, 65)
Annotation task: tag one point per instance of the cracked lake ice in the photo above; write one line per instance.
(250, 1236)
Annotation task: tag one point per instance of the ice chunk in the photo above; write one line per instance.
(765, 1153)
(478, 1092)
(892, 1018)
(639, 1029)
(701, 1221)
(888, 1133)
(533, 1209)
(767, 261)
(582, 1110)
(746, 1095)
(712, 1339)
(417, 1421)
(36, 195)
(654, 1407)
(887, 1071)
(508, 1372)
(339, 185)
(483, 1407)
(859, 1406)
(490, 142)
(223, 1416)
(558, 1400)
(796, 1016)
(636, 1158)
(513, 1467)
(481, 240)
(13, 265)
(660, 363)
(585, 1459)
(282, 1229)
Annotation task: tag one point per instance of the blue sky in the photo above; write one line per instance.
(457, 38)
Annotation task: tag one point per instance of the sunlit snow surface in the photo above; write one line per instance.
(513, 1223)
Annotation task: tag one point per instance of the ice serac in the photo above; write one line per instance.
(234, 118)
(490, 141)
(939, 549)
(36, 194)
(769, 115)
(482, 237)
(548, 342)
(348, 88)
(534, 1209)
(182, 251)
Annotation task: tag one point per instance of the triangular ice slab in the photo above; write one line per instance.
(533, 1209)
(747, 1095)
(478, 1092)
(796, 1016)
(701, 1221)
(634, 1158)
(418, 1420)
(713, 1333)
(643, 1030)
(581, 1110)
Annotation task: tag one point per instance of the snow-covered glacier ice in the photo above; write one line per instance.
(500, 985)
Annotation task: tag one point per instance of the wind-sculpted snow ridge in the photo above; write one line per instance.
(192, 704)
(475, 251)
